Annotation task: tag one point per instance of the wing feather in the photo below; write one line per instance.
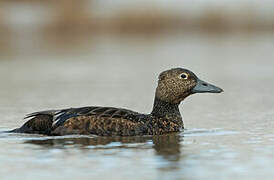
(60, 116)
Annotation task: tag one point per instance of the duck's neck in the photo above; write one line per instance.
(165, 109)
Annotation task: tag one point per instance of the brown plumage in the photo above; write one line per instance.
(174, 86)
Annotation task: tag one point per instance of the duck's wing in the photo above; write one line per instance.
(102, 121)
(41, 122)
(95, 111)
(60, 116)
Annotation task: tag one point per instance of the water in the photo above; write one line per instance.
(228, 135)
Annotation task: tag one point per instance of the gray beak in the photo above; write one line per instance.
(204, 87)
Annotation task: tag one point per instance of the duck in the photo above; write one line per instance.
(174, 85)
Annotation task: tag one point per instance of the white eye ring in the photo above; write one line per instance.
(184, 76)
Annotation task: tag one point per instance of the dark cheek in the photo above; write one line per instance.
(193, 85)
(188, 86)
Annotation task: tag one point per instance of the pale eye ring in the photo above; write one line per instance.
(184, 76)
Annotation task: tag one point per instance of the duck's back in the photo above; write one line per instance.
(104, 121)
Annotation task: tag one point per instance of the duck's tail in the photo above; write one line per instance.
(38, 123)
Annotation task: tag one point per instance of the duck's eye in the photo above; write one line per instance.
(184, 76)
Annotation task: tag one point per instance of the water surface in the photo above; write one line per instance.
(230, 135)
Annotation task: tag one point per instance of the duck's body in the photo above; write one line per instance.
(108, 121)
(103, 121)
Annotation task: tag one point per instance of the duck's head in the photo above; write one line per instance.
(176, 84)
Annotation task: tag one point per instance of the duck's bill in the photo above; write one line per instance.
(204, 87)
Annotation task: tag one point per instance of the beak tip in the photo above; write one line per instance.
(221, 90)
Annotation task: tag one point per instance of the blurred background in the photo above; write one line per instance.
(30, 27)
(70, 44)
(68, 53)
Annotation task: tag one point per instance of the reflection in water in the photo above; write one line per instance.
(85, 141)
(166, 146)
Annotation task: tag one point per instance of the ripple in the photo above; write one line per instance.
(208, 132)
